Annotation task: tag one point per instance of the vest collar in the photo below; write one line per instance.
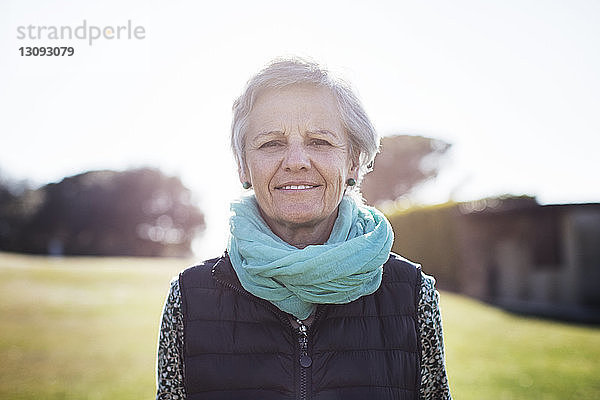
(224, 273)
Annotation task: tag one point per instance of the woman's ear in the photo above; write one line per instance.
(353, 171)
(243, 174)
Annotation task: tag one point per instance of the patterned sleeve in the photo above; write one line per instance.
(434, 382)
(169, 377)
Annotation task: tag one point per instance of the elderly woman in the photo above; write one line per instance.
(307, 302)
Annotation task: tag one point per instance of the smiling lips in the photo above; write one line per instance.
(297, 187)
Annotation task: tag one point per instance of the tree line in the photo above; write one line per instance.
(139, 212)
(143, 212)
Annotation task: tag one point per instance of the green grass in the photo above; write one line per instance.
(80, 328)
(86, 328)
(491, 354)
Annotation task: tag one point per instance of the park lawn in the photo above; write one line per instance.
(80, 328)
(86, 328)
(492, 354)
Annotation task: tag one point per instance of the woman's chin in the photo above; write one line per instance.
(301, 216)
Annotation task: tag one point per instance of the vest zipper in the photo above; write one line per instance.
(305, 360)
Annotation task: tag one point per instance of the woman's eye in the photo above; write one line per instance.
(270, 143)
(319, 142)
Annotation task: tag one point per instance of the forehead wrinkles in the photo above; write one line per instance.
(266, 118)
(303, 121)
(300, 97)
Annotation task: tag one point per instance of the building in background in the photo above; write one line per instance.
(512, 252)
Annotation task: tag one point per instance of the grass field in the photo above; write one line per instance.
(86, 328)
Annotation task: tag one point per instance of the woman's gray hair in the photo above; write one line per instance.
(364, 140)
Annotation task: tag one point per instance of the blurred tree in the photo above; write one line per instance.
(15, 197)
(138, 212)
(7, 214)
(403, 162)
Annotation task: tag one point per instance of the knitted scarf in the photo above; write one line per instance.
(349, 265)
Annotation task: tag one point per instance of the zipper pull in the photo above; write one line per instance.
(305, 360)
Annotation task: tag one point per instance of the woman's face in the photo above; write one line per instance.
(297, 156)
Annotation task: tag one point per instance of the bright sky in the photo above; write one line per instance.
(513, 85)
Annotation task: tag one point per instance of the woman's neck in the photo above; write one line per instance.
(302, 235)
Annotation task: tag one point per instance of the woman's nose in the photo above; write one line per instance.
(296, 158)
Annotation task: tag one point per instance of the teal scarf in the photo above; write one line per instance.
(349, 265)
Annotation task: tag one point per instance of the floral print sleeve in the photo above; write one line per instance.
(434, 381)
(170, 345)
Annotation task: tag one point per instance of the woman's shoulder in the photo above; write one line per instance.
(200, 274)
(202, 266)
(429, 296)
(398, 263)
(427, 282)
(398, 268)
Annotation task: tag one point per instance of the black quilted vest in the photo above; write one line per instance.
(238, 346)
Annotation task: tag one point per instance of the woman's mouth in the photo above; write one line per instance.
(297, 187)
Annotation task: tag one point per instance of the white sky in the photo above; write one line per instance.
(514, 85)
